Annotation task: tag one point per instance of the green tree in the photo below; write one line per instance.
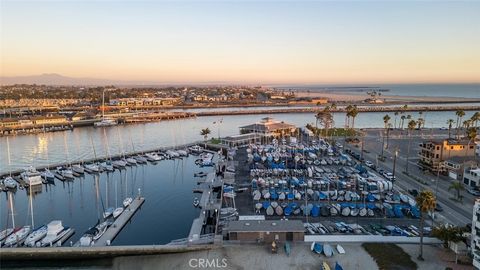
(458, 187)
(426, 202)
(450, 123)
(205, 132)
(475, 118)
(449, 233)
(460, 114)
(411, 126)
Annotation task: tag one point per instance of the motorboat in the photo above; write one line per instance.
(127, 202)
(9, 182)
(117, 212)
(105, 122)
(340, 249)
(172, 154)
(37, 235)
(182, 153)
(17, 237)
(152, 157)
(64, 173)
(55, 231)
(92, 168)
(31, 176)
(108, 212)
(196, 202)
(47, 175)
(77, 168)
(101, 229)
(327, 250)
(195, 149)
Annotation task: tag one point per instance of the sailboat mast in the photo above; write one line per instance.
(103, 104)
(31, 206)
(93, 146)
(11, 208)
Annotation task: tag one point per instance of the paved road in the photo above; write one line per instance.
(454, 212)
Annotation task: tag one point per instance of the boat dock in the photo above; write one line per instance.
(208, 202)
(120, 222)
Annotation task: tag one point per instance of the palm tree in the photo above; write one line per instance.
(467, 124)
(450, 123)
(411, 126)
(386, 118)
(403, 120)
(205, 132)
(458, 187)
(420, 123)
(475, 118)
(460, 114)
(347, 115)
(426, 202)
(353, 114)
(395, 122)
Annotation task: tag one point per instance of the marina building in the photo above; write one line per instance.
(475, 240)
(266, 230)
(269, 127)
(434, 152)
(49, 120)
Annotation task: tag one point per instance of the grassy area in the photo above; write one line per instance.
(214, 141)
(389, 256)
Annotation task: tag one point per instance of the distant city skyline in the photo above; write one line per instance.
(243, 42)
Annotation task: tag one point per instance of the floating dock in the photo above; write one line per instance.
(119, 223)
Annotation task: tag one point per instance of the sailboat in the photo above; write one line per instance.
(18, 235)
(107, 165)
(46, 174)
(8, 231)
(9, 182)
(105, 122)
(119, 210)
(109, 211)
(128, 200)
(38, 233)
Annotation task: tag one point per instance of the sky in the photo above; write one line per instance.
(244, 41)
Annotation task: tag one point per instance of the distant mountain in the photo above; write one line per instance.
(55, 79)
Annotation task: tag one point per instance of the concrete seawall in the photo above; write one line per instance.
(75, 253)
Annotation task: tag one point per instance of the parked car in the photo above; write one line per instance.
(438, 207)
(413, 192)
(368, 163)
(474, 192)
(389, 176)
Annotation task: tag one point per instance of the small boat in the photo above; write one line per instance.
(47, 175)
(77, 168)
(340, 249)
(279, 211)
(370, 213)
(338, 267)
(127, 202)
(327, 250)
(5, 233)
(120, 164)
(18, 236)
(92, 168)
(31, 176)
(196, 202)
(269, 210)
(140, 159)
(317, 248)
(325, 266)
(9, 182)
(107, 166)
(55, 231)
(131, 161)
(346, 211)
(37, 235)
(363, 212)
(152, 157)
(108, 212)
(101, 229)
(117, 212)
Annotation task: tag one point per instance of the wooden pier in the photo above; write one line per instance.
(120, 222)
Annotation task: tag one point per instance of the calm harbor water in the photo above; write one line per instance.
(88, 142)
(166, 214)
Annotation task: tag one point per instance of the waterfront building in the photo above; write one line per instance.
(266, 230)
(269, 127)
(434, 152)
(241, 140)
(454, 167)
(475, 237)
(49, 120)
(472, 177)
(9, 123)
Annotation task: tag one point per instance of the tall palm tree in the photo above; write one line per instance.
(386, 119)
(420, 123)
(403, 120)
(475, 118)
(460, 114)
(426, 202)
(347, 115)
(450, 123)
(467, 124)
(395, 122)
(205, 132)
(458, 187)
(411, 126)
(353, 114)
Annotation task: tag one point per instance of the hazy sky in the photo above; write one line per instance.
(243, 41)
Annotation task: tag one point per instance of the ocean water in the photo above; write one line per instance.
(471, 90)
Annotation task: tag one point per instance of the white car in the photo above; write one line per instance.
(368, 163)
(389, 176)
